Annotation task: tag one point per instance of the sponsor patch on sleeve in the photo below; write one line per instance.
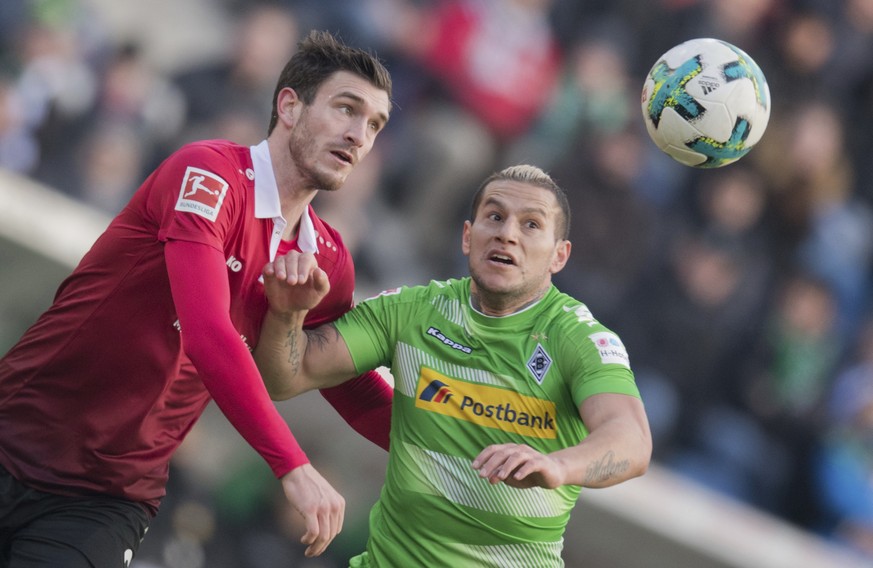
(202, 193)
(610, 348)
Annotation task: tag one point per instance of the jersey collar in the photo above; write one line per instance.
(267, 204)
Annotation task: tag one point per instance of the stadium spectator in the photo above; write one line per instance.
(785, 379)
(843, 466)
(486, 69)
(240, 82)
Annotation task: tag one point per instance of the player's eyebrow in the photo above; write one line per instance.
(531, 210)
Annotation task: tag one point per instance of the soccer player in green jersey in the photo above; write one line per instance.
(509, 396)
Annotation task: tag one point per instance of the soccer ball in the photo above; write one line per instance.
(706, 103)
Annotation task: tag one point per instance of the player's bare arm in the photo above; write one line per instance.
(291, 360)
(618, 448)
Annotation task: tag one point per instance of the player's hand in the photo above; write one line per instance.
(519, 466)
(322, 508)
(294, 282)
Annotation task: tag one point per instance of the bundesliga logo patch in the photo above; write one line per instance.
(202, 193)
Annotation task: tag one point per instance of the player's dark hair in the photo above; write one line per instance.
(531, 175)
(318, 57)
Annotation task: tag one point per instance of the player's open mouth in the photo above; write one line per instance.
(502, 259)
(347, 158)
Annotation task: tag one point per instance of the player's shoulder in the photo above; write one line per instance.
(435, 291)
(574, 326)
(328, 235)
(570, 314)
(219, 154)
(452, 289)
(330, 241)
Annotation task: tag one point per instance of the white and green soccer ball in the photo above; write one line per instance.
(706, 103)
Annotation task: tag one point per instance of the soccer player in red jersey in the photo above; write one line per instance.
(161, 316)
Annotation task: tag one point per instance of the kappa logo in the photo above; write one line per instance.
(202, 193)
(434, 332)
(582, 313)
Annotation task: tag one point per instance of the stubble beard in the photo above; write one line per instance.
(304, 154)
(504, 298)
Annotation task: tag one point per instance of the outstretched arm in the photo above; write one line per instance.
(228, 372)
(291, 360)
(617, 448)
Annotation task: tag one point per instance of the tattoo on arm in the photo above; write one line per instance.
(291, 342)
(322, 336)
(605, 468)
(318, 338)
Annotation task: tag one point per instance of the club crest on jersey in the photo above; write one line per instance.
(539, 363)
(202, 193)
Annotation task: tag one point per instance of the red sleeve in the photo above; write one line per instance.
(365, 404)
(198, 280)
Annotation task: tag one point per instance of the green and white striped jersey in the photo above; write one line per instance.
(464, 381)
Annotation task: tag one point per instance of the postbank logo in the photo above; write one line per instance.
(486, 406)
(202, 193)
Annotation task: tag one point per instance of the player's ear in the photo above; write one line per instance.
(561, 256)
(465, 239)
(287, 103)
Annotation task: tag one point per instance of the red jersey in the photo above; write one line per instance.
(92, 399)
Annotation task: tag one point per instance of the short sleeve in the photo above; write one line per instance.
(371, 329)
(598, 363)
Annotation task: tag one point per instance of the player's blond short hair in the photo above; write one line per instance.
(531, 175)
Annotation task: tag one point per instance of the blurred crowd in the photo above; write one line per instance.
(742, 294)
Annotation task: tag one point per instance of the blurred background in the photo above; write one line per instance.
(742, 294)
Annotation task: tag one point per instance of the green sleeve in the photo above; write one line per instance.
(371, 328)
(600, 365)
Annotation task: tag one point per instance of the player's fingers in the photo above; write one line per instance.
(306, 264)
(320, 279)
(311, 523)
(486, 454)
(330, 523)
(290, 267)
(490, 466)
(505, 468)
(276, 268)
(497, 463)
(499, 452)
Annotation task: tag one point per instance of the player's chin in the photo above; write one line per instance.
(332, 181)
(497, 285)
